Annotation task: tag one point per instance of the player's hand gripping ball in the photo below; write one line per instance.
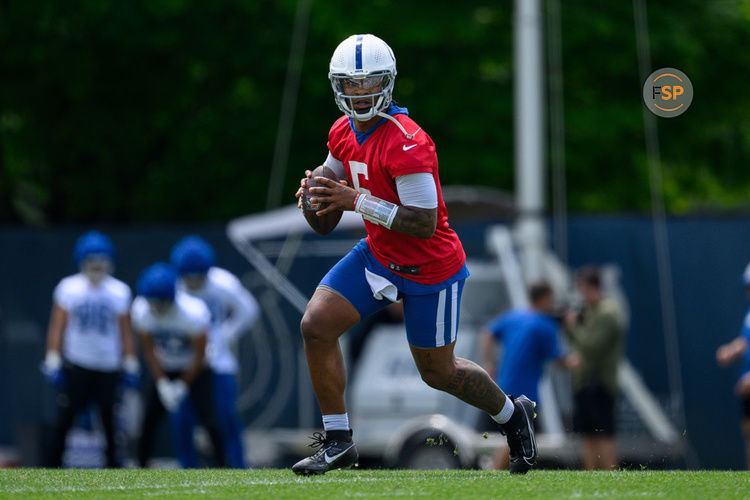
(321, 171)
(322, 224)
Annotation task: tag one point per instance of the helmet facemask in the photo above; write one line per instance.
(160, 307)
(351, 91)
(96, 267)
(194, 282)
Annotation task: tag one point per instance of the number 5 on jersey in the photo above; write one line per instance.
(357, 168)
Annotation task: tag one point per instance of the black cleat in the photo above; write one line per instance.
(335, 452)
(520, 433)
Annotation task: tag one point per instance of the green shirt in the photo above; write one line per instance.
(600, 340)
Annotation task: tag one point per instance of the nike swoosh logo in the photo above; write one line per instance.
(408, 148)
(330, 460)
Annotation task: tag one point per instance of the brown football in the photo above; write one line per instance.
(323, 224)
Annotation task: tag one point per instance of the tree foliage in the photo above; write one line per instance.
(167, 110)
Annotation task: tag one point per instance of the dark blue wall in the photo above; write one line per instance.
(708, 256)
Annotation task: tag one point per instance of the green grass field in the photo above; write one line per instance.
(282, 484)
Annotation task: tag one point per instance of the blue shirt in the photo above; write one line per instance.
(530, 339)
(745, 332)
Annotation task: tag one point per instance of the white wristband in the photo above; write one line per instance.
(376, 210)
(130, 364)
(53, 360)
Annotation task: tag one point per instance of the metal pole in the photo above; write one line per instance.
(529, 135)
(557, 132)
(288, 105)
(661, 235)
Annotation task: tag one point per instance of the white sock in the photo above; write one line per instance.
(505, 413)
(336, 422)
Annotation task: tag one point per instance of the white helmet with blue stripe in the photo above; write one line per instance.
(362, 68)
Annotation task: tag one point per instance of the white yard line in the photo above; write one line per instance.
(617, 494)
(199, 484)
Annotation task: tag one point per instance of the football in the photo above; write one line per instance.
(321, 171)
(323, 224)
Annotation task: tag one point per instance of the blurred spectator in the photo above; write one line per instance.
(89, 342)
(597, 333)
(233, 311)
(734, 351)
(530, 338)
(172, 327)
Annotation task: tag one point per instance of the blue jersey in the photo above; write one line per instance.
(530, 339)
(745, 333)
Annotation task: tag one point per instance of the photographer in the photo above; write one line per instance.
(597, 333)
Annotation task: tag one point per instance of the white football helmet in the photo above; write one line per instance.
(365, 66)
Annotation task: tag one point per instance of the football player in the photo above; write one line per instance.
(89, 341)
(389, 172)
(233, 311)
(172, 327)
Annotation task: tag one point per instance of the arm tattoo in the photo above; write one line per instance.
(419, 222)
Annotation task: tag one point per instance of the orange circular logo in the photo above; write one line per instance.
(668, 92)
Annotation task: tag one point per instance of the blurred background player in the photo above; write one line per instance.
(734, 351)
(172, 327)
(597, 333)
(530, 338)
(410, 253)
(89, 341)
(233, 311)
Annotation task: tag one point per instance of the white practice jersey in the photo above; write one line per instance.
(173, 332)
(233, 311)
(92, 338)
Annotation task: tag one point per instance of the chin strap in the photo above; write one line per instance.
(401, 127)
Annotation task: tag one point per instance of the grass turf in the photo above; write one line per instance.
(283, 484)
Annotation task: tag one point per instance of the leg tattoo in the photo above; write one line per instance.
(470, 383)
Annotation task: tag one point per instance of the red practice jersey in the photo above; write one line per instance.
(372, 168)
